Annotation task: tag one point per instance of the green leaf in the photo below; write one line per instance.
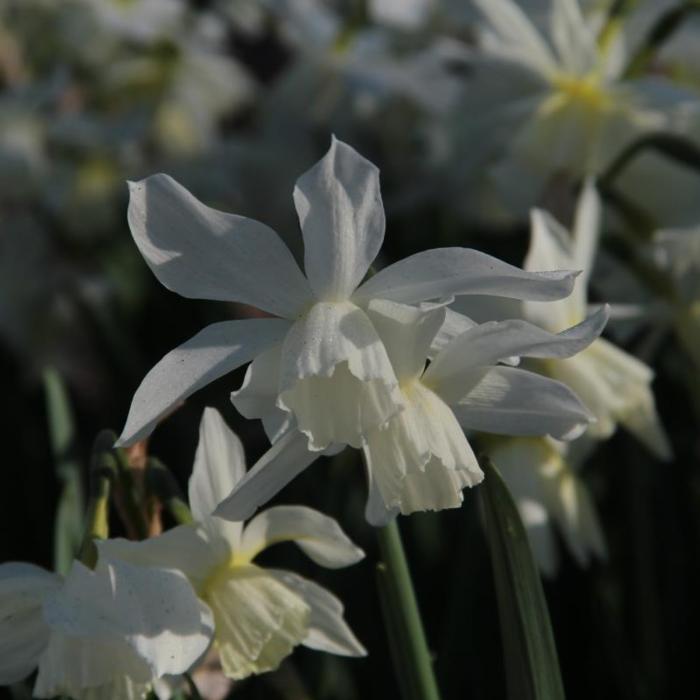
(68, 526)
(677, 148)
(532, 666)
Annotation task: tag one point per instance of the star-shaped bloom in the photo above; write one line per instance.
(541, 473)
(420, 459)
(557, 97)
(260, 614)
(613, 384)
(102, 634)
(335, 377)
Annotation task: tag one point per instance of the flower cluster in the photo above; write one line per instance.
(417, 365)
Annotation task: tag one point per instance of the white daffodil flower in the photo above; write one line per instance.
(336, 378)
(420, 459)
(542, 477)
(98, 635)
(559, 96)
(260, 615)
(613, 384)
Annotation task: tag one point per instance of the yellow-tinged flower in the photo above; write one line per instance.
(548, 492)
(564, 99)
(260, 614)
(614, 385)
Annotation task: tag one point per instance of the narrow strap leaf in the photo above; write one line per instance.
(68, 523)
(532, 666)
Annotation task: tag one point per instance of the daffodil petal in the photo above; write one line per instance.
(443, 272)
(512, 401)
(586, 234)
(551, 245)
(213, 352)
(513, 36)
(257, 396)
(407, 334)
(23, 632)
(287, 458)
(155, 612)
(219, 464)
(319, 536)
(336, 377)
(454, 325)
(616, 388)
(491, 342)
(572, 36)
(342, 218)
(192, 549)
(327, 629)
(203, 253)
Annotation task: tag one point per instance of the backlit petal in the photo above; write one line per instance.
(328, 630)
(213, 352)
(203, 253)
(489, 343)
(219, 464)
(287, 458)
(442, 272)
(342, 218)
(319, 536)
(511, 401)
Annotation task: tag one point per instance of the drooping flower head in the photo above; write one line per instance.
(420, 459)
(259, 614)
(335, 378)
(614, 385)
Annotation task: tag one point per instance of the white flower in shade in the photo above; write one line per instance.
(260, 614)
(559, 96)
(335, 376)
(102, 634)
(420, 459)
(614, 385)
(542, 476)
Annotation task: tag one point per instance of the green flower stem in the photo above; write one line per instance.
(414, 665)
(103, 470)
(161, 483)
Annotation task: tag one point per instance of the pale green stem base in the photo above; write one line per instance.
(414, 666)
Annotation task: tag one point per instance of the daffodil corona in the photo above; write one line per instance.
(420, 459)
(259, 614)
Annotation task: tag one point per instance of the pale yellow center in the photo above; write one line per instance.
(586, 92)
